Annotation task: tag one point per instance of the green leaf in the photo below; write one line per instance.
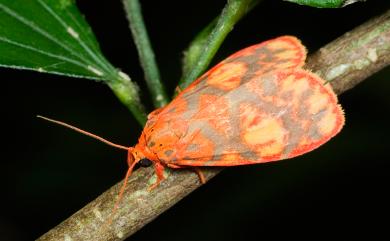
(50, 36)
(325, 3)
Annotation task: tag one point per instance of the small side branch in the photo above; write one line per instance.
(145, 52)
(344, 62)
(211, 38)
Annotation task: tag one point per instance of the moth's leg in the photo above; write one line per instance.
(174, 165)
(197, 170)
(159, 170)
(200, 174)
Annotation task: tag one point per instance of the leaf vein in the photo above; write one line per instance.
(82, 44)
(29, 47)
(37, 29)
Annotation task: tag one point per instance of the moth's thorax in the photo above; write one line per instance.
(141, 151)
(161, 138)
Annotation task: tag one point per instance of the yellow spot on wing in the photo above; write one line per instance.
(288, 54)
(274, 148)
(231, 157)
(227, 76)
(267, 130)
(327, 123)
(296, 86)
(263, 135)
(275, 45)
(317, 102)
(285, 65)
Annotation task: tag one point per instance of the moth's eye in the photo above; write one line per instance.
(145, 162)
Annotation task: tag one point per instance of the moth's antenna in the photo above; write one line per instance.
(84, 132)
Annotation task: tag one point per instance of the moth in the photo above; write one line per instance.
(258, 105)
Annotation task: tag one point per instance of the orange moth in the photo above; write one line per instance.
(258, 105)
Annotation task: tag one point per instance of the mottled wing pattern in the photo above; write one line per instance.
(258, 105)
(281, 53)
(271, 117)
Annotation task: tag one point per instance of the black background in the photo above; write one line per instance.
(48, 173)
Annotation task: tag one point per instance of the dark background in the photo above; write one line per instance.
(48, 173)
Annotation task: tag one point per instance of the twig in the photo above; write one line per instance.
(231, 14)
(345, 62)
(145, 52)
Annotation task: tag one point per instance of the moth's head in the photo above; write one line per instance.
(136, 155)
(133, 156)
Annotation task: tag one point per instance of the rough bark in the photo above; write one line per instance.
(344, 62)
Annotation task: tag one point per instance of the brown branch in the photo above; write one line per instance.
(354, 56)
(345, 62)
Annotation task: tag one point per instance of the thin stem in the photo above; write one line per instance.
(233, 11)
(139, 206)
(145, 52)
(194, 50)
